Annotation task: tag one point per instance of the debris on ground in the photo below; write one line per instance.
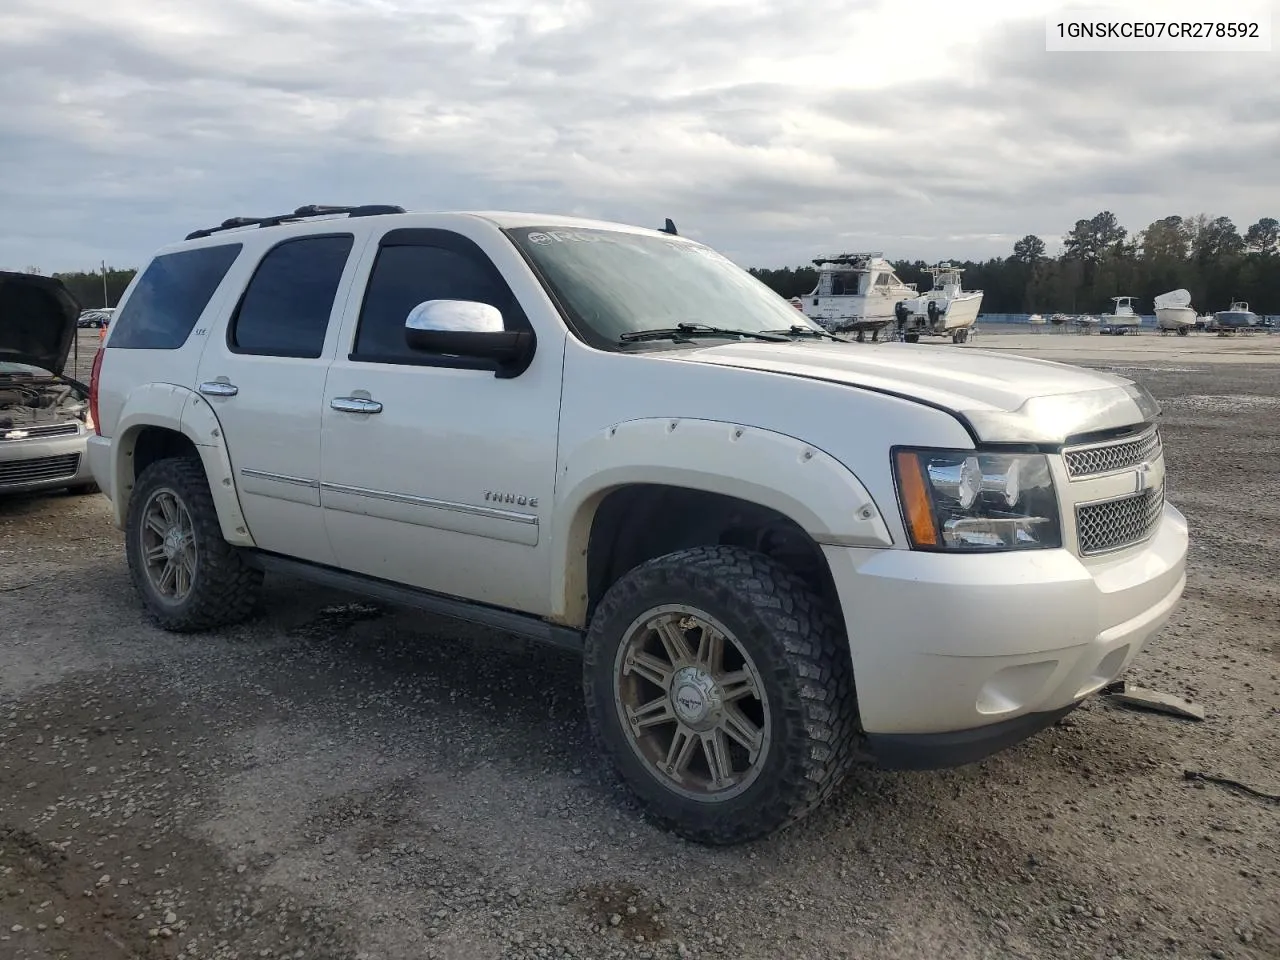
(1228, 782)
(1134, 696)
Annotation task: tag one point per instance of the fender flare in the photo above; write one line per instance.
(783, 473)
(172, 407)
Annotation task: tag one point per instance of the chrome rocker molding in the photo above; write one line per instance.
(280, 478)
(467, 508)
(499, 618)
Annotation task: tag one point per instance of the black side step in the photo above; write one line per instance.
(499, 618)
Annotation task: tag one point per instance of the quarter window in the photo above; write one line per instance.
(170, 296)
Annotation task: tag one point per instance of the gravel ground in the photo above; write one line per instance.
(341, 780)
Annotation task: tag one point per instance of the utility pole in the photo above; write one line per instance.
(105, 301)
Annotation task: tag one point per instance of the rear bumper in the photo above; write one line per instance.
(98, 455)
(29, 466)
(989, 649)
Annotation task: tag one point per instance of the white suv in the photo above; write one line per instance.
(778, 551)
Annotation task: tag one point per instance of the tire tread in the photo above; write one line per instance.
(226, 588)
(812, 660)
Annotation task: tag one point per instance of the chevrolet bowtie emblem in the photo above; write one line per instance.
(17, 435)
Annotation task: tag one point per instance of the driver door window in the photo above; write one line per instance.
(405, 276)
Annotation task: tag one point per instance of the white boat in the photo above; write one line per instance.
(1036, 320)
(1174, 312)
(856, 292)
(945, 309)
(1122, 319)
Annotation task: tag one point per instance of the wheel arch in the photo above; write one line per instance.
(647, 487)
(165, 420)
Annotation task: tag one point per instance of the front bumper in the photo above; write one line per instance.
(949, 644)
(933, 751)
(44, 463)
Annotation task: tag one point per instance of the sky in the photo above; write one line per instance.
(776, 132)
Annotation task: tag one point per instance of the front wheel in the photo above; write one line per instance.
(188, 576)
(719, 686)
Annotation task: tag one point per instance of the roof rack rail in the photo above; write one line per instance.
(302, 213)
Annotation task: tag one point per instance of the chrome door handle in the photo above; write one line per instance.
(218, 388)
(355, 405)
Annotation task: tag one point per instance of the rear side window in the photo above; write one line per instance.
(285, 309)
(170, 296)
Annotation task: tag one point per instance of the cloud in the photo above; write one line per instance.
(776, 131)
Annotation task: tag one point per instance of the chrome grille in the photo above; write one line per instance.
(1099, 458)
(39, 469)
(40, 432)
(1115, 524)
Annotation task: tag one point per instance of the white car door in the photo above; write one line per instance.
(436, 472)
(265, 381)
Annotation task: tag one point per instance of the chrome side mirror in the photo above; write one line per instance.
(465, 328)
(455, 316)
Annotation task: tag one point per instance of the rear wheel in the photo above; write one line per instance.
(188, 576)
(720, 688)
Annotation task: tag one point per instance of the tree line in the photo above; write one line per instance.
(87, 286)
(1208, 256)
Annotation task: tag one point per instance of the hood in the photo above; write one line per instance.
(37, 320)
(1000, 398)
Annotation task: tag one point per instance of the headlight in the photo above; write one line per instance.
(962, 500)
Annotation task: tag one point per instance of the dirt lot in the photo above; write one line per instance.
(340, 780)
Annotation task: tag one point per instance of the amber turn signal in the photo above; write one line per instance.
(916, 505)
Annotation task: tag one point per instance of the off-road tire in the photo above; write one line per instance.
(224, 589)
(800, 650)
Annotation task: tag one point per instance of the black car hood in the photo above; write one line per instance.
(37, 320)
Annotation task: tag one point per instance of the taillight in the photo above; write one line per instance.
(93, 390)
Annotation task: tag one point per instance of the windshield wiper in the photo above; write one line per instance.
(800, 330)
(684, 331)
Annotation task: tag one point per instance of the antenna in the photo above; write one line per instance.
(670, 227)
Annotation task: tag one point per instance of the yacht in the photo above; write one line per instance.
(945, 309)
(1175, 313)
(856, 292)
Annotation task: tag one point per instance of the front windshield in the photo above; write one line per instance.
(611, 282)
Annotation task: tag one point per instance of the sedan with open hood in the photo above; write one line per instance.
(44, 414)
